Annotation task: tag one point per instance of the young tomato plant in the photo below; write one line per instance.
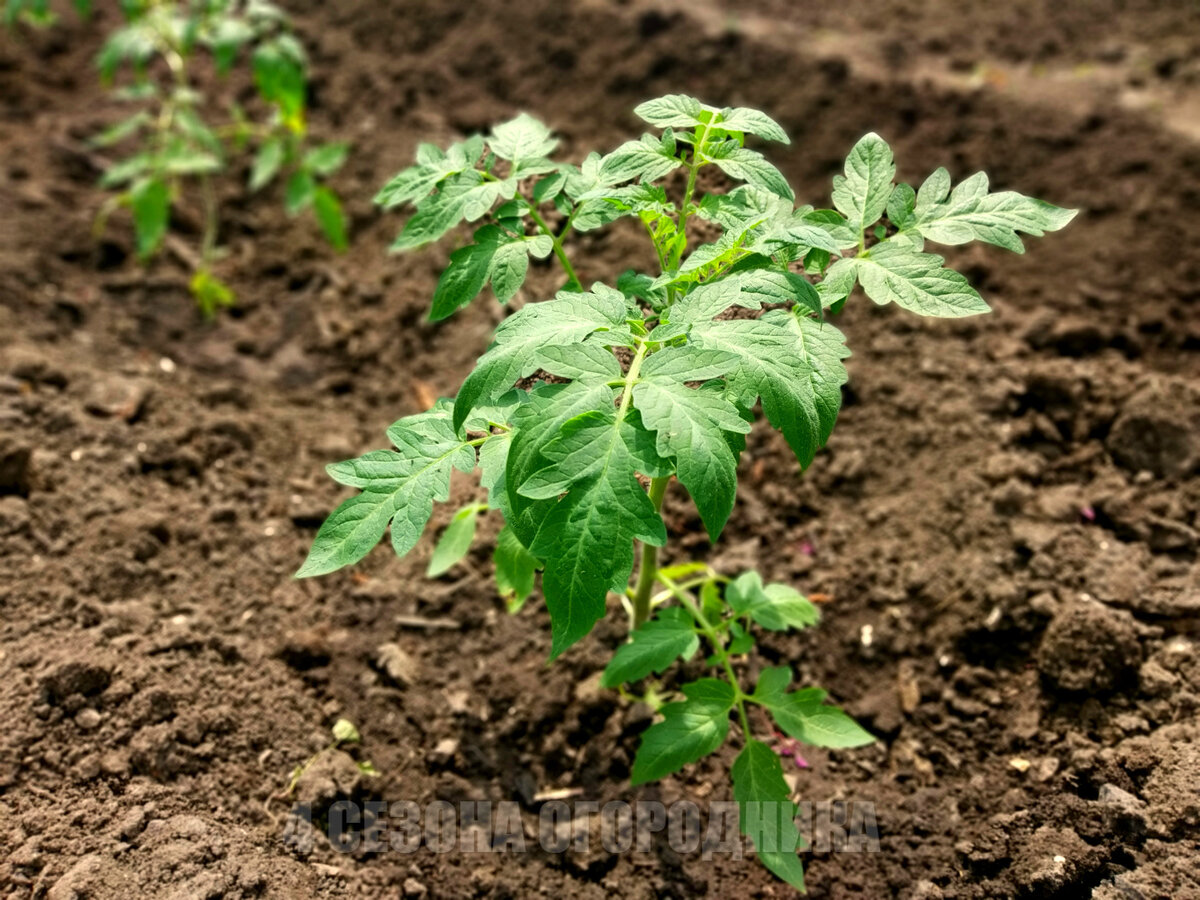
(162, 42)
(587, 405)
(38, 12)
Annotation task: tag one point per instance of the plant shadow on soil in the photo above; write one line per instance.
(1005, 523)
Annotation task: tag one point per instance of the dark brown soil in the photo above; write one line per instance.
(1006, 522)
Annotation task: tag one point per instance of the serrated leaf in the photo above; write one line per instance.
(690, 730)
(861, 195)
(509, 266)
(749, 166)
(462, 197)
(398, 486)
(775, 607)
(971, 213)
(586, 539)
(751, 121)
(794, 364)
(901, 205)
(568, 319)
(455, 541)
(647, 159)
(522, 138)
(515, 568)
(674, 111)
(917, 282)
(669, 636)
(766, 813)
(433, 166)
(693, 426)
(581, 361)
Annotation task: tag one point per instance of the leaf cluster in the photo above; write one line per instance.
(173, 132)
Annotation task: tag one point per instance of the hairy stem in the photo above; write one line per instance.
(648, 572)
(558, 249)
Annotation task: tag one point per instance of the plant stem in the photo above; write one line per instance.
(718, 645)
(558, 249)
(648, 573)
(208, 245)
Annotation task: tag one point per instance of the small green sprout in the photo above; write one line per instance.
(586, 406)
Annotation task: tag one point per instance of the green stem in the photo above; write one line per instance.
(718, 645)
(208, 245)
(558, 249)
(648, 573)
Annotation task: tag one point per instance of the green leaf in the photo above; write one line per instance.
(749, 166)
(515, 568)
(802, 715)
(228, 36)
(433, 166)
(586, 360)
(861, 195)
(918, 282)
(694, 425)
(567, 319)
(150, 201)
(462, 279)
(509, 266)
(344, 732)
(775, 607)
(122, 130)
(647, 159)
(549, 187)
(751, 121)
(326, 159)
(455, 541)
(299, 193)
(332, 220)
(586, 539)
(766, 812)
(793, 363)
(690, 730)
(901, 205)
(398, 486)
(210, 293)
(674, 111)
(669, 636)
(971, 213)
(465, 196)
(522, 138)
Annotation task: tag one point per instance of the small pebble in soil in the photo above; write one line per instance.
(87, 719)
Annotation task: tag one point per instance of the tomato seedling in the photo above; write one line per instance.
(586, 406)
(161, 41)
(38, 13)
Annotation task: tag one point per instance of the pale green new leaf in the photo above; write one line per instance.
(918, 282)
(766, 813)
(690, 730)
(515, 568)
(522, 138)
(751, 121)
(861, 195)
(669, 636)
(674, 111)
(432, 167)
(455, 541)
(971, 213)
(775, 607)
